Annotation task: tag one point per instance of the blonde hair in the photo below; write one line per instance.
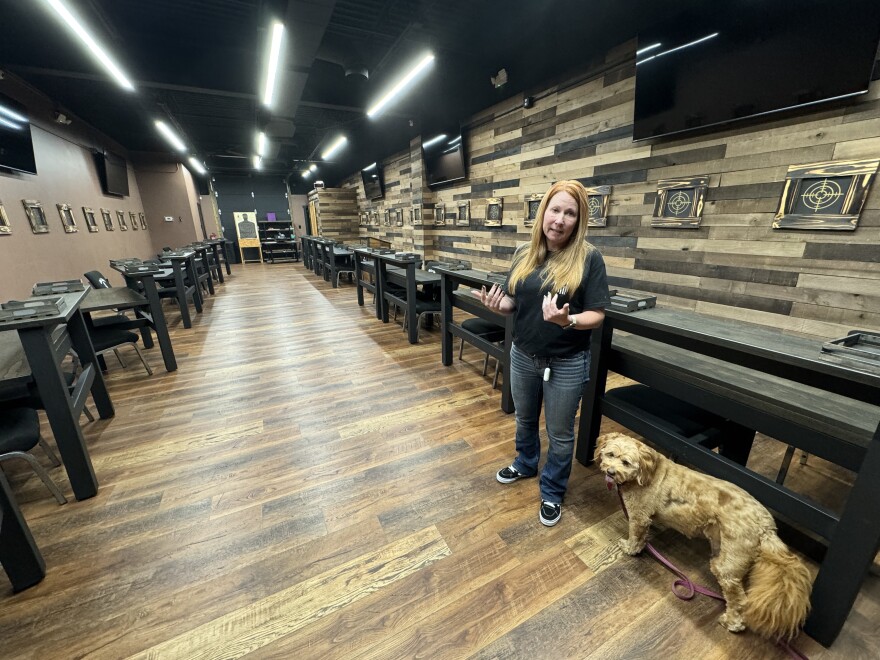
(566, 269)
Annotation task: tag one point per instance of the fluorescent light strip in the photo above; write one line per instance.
(305, 174)
(102, 56)
(423, 63)
(272, 69)
(434, 140)
(672, 50)
(170, 135)
(12, 115)
(312, 167)
(647, 48)
(261, 143)
(258, 162)
(196, 165)
(341, 140)
(12, 125)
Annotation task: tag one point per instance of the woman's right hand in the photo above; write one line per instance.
(494, 298)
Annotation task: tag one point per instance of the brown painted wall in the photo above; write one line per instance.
(67, 174)
(733, 265)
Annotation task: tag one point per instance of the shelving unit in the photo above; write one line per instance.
(277, 240)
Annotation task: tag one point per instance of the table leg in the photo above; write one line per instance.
(82, 344)
(19, 553)
(216, 250)
(358, 278)
(197, 287)
(381, 304)
(180, 285)
(412, 317)
(446, 299)
(850, 553)
(38, 348)
(159, 325)
(591, 400)
(228, 257)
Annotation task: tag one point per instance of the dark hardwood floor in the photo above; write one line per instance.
(309, 485)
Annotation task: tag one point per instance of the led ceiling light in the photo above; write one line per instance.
(258, 162)
(99, 53)
(10, 124)
(11, 114)
(305, 174)
(261, 143)
(196, 165)
(170, 135)
(312, 167)
(333, 148)
(401, 85)
(272, 68)
(434, 140)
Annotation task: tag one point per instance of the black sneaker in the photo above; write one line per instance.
(510, 474)
(550, 513)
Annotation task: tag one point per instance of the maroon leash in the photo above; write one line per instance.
(683, 587)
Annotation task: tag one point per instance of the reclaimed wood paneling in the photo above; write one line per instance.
(583, 131)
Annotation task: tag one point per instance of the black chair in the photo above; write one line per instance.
(491, 332)
(29, 397)
(107, 338)
(98, 281)
(19, 433)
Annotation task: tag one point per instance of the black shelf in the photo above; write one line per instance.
(276, 240)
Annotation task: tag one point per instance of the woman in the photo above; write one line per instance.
(557, 292)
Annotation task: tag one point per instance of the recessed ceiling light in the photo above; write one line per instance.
(100, 54)
(272, 68)
(333, 148)
(401, 85)
(170, 136)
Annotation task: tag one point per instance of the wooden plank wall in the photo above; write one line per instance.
(733, 265)
(337, 212)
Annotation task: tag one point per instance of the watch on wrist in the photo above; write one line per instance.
(572, 323)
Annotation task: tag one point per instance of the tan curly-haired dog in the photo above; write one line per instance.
(741, 531)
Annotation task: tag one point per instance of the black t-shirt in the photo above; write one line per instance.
(535, 336)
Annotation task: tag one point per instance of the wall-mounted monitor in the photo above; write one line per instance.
(374, 184)
(113, 173)
(715, 63)
(444, 158)
(16, 146)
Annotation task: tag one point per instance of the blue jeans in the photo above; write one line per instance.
(561, 395)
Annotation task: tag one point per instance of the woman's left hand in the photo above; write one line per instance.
(552, 313)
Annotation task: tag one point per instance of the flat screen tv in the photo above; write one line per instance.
(374, 186)
(113, 173)
(719, 62)
(16, 146)
(444, 158)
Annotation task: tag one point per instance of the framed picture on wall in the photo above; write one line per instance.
(387, 219)
(533, 203)
(67, 219)
(36, 216)
(91, 223)
(143, 221)
(107, 217)
(827, 195)
(398, 218)
(679, 202)
(362, 219)
(120, 218)
(374, 218)
(439, 215)
(4, 221)
(463, 218)
(134, 220)
(597, 203)
(494, 210)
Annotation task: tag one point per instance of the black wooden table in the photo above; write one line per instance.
(183, 281)
(33, 349)
(403, 272)
(769, 381)
(19, 555)
(148, 305)
(455, 287)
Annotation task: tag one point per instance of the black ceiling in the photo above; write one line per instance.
(198, 64)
